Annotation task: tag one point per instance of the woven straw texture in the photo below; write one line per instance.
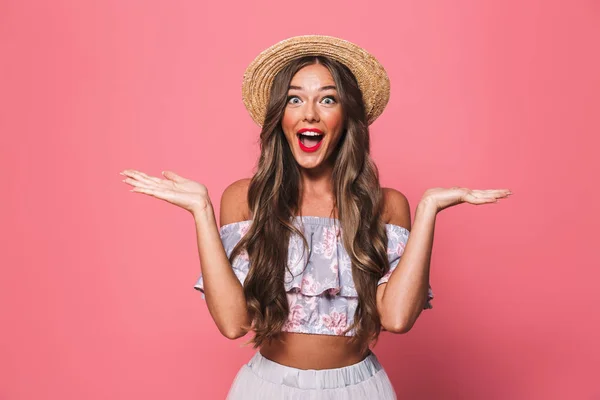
(370, 74)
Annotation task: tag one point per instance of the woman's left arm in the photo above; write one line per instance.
(401, 300)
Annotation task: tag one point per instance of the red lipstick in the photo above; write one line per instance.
(303, 146)
(320, 132)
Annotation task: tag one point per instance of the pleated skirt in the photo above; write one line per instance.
(264, 379)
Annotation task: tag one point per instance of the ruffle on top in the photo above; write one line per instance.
(318, 281)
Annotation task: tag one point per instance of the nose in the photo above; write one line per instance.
(311, 113)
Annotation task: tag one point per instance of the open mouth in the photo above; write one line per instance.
(310, 141)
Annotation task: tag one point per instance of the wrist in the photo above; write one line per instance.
(203, 212)
(428, 206)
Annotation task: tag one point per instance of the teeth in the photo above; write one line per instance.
(310, 133)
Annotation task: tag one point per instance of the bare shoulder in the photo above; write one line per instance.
(396, 209)
(234, 202)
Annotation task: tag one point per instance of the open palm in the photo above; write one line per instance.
(175, 189)
(443, 198)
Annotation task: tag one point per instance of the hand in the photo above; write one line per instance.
(441, 198)
(182, 192)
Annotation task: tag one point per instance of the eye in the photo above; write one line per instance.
(293, 100)
(328, 100)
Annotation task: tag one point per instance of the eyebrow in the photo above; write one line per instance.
(320, 90)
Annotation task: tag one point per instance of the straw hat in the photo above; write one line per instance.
(258, 78)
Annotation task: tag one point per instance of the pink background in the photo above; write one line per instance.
(96, 297)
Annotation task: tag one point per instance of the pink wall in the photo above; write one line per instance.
(96, 297)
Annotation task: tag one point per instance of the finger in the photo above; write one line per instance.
(495, 191)
(480, 194)
(136, 183)
(133, 174)
(473, 199)
(497, 194)
(500, 194)
(148, 177)
(144, 190)
(173, 176)
(155, 192)
(141, 176)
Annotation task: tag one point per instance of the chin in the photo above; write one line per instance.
(307, 164)
(310, 163)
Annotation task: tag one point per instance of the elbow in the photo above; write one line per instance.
(233, 333)
(231, 324)
(396, 325)
(233, 329)
(397, 328)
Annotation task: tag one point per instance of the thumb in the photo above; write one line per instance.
(172, 176)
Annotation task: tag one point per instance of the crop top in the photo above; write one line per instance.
(320, 290)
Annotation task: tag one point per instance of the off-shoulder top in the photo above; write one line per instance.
(319, 286)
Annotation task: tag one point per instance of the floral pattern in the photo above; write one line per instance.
(297, 314)
(318, 281)
(335, 322)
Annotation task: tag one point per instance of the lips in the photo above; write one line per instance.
(310, 139)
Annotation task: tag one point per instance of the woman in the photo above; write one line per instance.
(313, 256)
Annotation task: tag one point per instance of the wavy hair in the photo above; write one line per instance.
(273, 199)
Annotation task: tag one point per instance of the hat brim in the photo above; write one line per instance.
(370, 74)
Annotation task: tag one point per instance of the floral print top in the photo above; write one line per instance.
(319, 285)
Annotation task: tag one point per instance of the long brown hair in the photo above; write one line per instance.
(273, 198)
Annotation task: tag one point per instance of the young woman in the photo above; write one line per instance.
(312, 255)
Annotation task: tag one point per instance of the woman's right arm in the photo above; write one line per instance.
(223, 291)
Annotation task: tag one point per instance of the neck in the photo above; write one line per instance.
(317, 180)
(316, 192)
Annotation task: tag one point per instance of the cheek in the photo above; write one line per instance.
(334, 120)
(288, 120)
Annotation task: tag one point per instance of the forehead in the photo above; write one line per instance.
(312, 75)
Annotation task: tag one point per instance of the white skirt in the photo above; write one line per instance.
(264, 379)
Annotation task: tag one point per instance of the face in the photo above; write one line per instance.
(312, 121)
